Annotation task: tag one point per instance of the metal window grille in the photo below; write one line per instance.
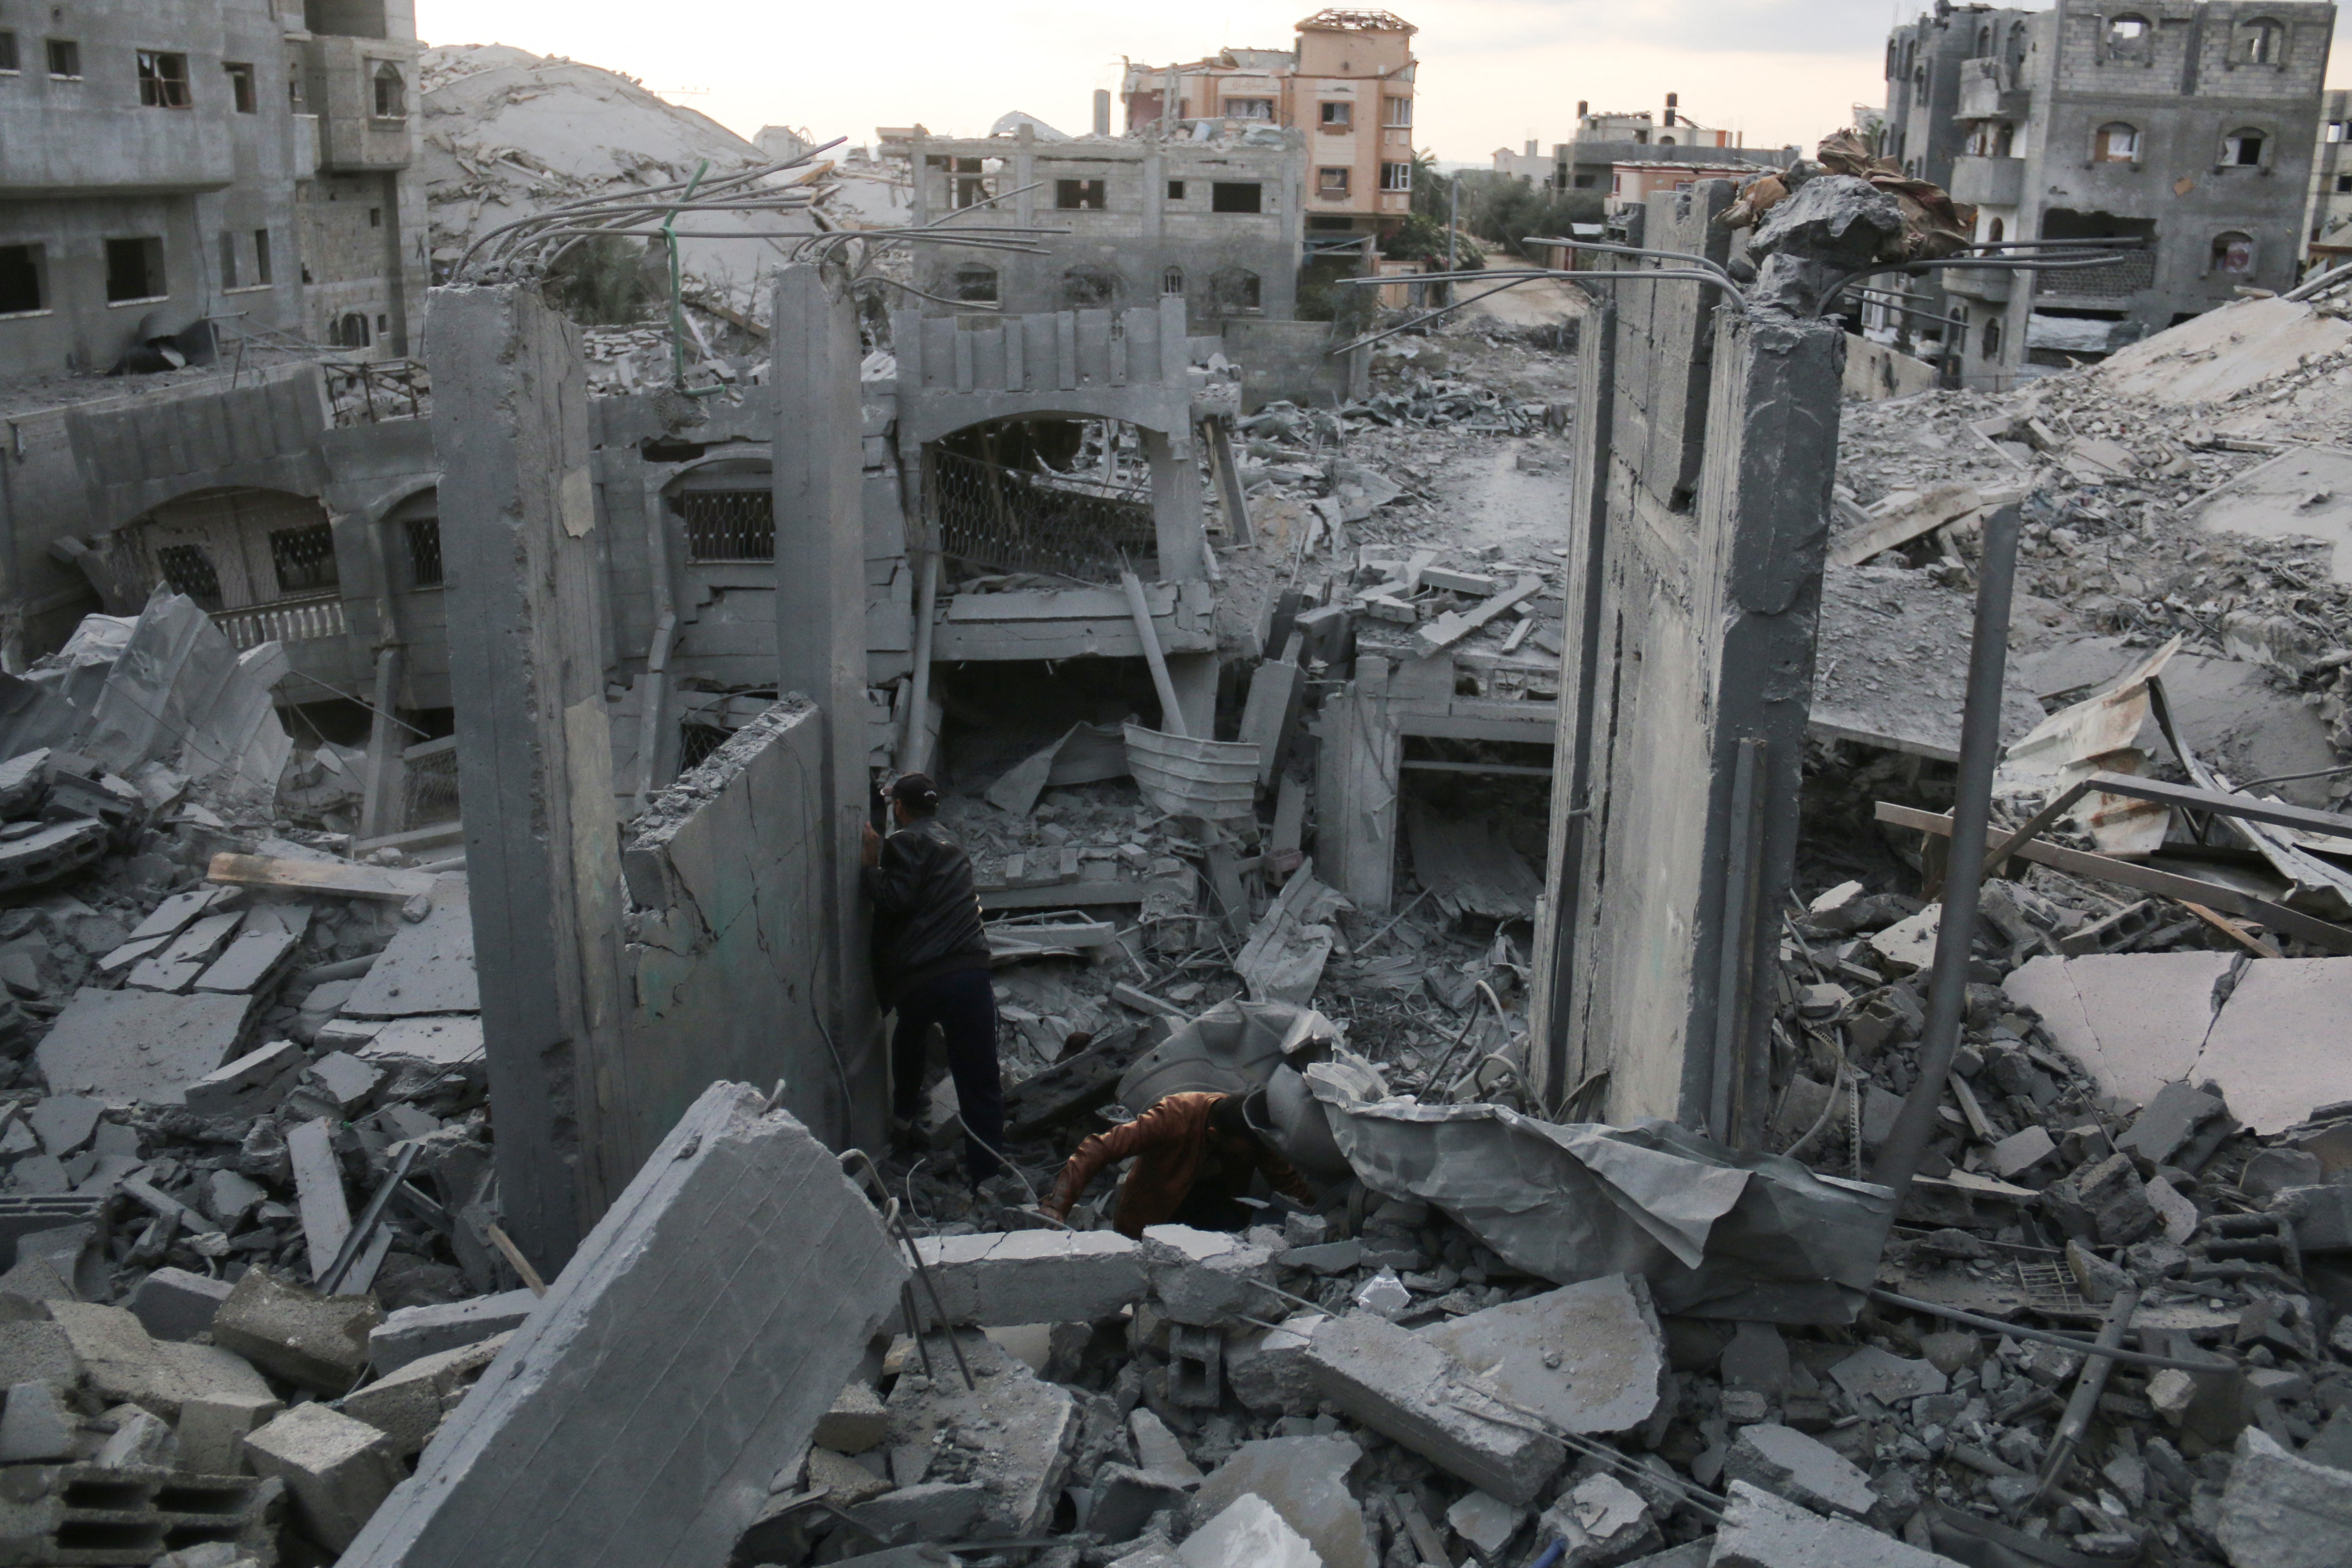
(163, 81)
(696, 741)
(1014, 520)
(189, 571)
(2126, 275)
(305, 558)
(729, 525)
(429, 789)
(425, 552)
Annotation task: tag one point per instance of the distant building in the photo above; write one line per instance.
(2186, 128)
(1605, 141)
(2327, 227)
(241, 162)
(1636, 181)
(1528, 166)
(1349, 85)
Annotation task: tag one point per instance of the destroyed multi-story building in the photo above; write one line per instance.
(1126, 221)
(182, 173)
(2184, 130)
(2329, 215)
(1348, 85)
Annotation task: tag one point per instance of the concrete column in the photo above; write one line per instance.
(1176, 504)
(821, 653)
(526, 613)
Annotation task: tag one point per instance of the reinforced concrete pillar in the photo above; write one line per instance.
(821, 653)
(522, 541)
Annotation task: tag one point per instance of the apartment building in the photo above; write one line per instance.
(1215, 223)
(2186, 130)
(242, 162)
(2328, 223)
(1348, 85)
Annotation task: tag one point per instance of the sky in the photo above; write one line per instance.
(1494, 73)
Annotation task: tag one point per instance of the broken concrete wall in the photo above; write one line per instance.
(820, 617)
(526, 627)
(726, 885)
(1707, 446)
(1292, 361)
(641, 1414)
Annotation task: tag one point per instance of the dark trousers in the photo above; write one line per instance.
(963, 1005)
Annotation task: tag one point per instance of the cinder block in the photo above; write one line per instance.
(319, 1341)
(39, 1425)
(417, 1331)
(212, 1430)
(1207, 1278)
(857, 1421)
(407, 1403)
(1405, 1388)
(38, 1352)
(253, 1083)
(339, 1470)
(174, 1304)
(1031, 1276)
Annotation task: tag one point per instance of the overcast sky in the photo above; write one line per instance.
(1493, 72)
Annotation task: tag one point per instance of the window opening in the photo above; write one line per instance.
(1086, 288)
(975, 285)
(64, 58)
(1399, 111)
(424, 552)
(8, 66)
(1396, 176)
(1992, 339)
(1249, 109)
(2242, 148)
(1078, 195)
(261, 273)
(187, 570)
(134, 270)
(1175, 190)
(1236, 196)
(1235, 289)
(2127, 37)
(1331, 181)
(229, 260)
(163, 79)
(391, 93)
(20, 278)
(1172, 281)
(2265, 42)
(729, 525)
(1338, 115)
(351, 332)
(2115, 142)
(240, 89)
(2233, 255)
(305, 558)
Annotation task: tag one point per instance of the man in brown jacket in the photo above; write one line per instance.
(1194, 1155)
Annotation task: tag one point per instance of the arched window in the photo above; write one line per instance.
(391, 92)
(2243, 148)
(1984, 42)
(975, 284)
(1666, 141)
(1993, 231)
(1086, 287)
(351, 332)
(2262, 42)
(1992, 338)
(2004, 145)
(2127, 37)
(1910, 53)
(2016, 43)
(1235, 289)
(1891, 62)
(1172, 281)
(2233, 255)
(2115, 142)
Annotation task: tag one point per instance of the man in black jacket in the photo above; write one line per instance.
(931, 963)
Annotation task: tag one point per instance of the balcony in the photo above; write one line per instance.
(353, 138)
(72, 143)
(1988, 181)
(286, 620)
(1990, 90)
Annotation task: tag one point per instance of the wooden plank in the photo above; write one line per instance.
(1454, 625)
(334, 877)
(1929, 510)
(2147, 879)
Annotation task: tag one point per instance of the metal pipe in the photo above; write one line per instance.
(1948, 988)
(2088, 1389)
(1737, 942)
(2042, 1336)
(914, 747)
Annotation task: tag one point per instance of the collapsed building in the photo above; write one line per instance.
(2186, 131)
(1558, 772)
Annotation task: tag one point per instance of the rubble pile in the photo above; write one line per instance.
(242, 1117)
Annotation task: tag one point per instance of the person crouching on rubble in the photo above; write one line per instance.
(1194, 1155)
(931, 963)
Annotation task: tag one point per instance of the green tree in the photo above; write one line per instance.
(606, 281)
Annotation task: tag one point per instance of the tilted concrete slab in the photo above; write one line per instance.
(146, 1046)
(427, 967)
(1406, 1388)
(683, 1357)
(1031, 1276)
(2135, 1020)
(2277, 1049)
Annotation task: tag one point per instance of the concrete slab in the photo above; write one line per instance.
(1032, 1276)
(427, 967)
(1875, 1373)
(1267, 1369)
(2135, 1020)
(413, 1332)
(2277, 1049)
(681, 1359)
(253, 1083)
(142, 1047)
(1760, 1530)
(1013, 1433)
(1789, 1464)
(1589, 1356)
(2281, 1511)
(1406, 1388)
(1248, 1535)
(1304, 1481)
(247, 963)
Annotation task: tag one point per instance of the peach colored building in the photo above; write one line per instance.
(1349, 85)
(1634, 183)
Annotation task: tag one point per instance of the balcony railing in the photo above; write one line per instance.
(286, 620)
